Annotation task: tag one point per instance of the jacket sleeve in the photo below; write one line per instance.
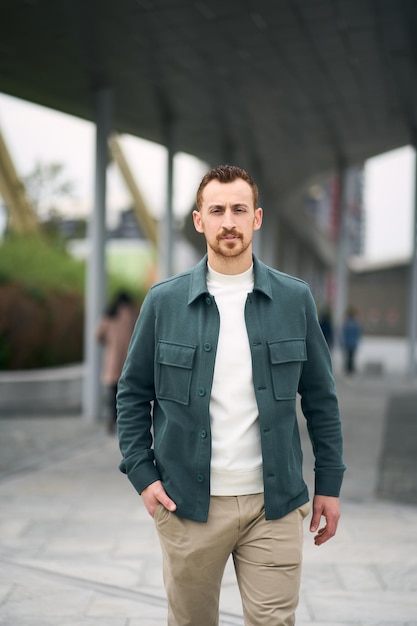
(136, 392)
(320, 407)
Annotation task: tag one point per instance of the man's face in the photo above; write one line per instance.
(228, 219)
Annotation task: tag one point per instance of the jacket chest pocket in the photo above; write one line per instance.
(286, 359)
(174, 370)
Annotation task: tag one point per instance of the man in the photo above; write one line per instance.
(222, 350)
(351, 334)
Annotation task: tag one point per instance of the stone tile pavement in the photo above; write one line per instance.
(77, 547)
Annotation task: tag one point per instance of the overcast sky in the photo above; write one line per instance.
(389, 198)
(36, 133)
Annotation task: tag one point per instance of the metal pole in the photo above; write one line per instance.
(412, 359)
(95, 282)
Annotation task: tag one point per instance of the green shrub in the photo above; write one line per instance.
(35, 263)
(42, 303)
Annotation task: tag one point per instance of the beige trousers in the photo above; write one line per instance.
(266, 554)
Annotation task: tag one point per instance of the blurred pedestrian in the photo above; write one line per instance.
(219, 352)
(326, 326)
(351, 335)
(114, 332)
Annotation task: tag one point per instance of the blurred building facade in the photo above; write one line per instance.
(380, 293)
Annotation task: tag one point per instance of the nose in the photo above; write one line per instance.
(228, 220)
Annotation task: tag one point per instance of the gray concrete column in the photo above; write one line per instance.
(290, 254)
(342, 272)
(166, 224)
(412, 359)
(95, 281)
(266, 240)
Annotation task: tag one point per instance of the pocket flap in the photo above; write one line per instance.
(175, 354)
(287, 350)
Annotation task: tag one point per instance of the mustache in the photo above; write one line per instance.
(229, 231)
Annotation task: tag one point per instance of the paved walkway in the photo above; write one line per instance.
(77, 547)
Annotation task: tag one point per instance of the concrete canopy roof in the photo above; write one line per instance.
(286, 88)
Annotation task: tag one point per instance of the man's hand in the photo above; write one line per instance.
(155, 494)
(329, 508)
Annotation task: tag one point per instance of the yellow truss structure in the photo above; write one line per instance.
(142, 214)
(22, 218)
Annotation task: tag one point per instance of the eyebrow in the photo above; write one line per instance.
(221, 206)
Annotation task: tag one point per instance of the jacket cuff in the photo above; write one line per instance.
(143, 477)
(328, 484)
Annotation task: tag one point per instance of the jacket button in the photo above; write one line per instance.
(200, 478)
(207, 347)
(201, 392)
(208, 300)
(203, 433)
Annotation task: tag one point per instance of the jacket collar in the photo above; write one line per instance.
(198, 284)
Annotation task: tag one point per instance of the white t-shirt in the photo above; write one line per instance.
(236, 464)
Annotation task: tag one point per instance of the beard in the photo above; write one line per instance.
(232, 248)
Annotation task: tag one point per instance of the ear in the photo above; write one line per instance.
(197, 221)
(257, 222)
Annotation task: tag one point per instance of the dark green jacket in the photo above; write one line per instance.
(171, 363)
